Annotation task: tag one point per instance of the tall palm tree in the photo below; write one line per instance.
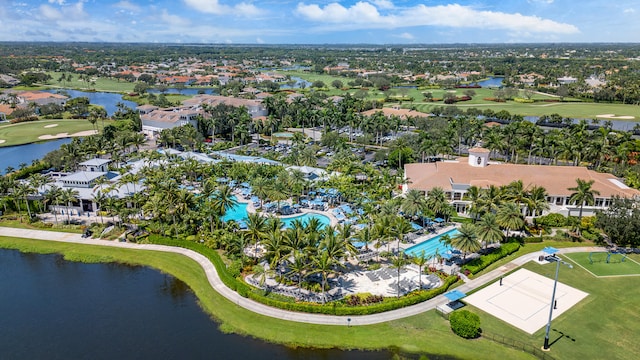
(437, 200)
(298, 267)
(225, 199)
(99, 198)
(323, 265)
(536, 201)
(466, 240)
(69, 196)
(583, 194)
(52, 195)
(420, 260)
(398, 262)
(400, 228)
(22, 191)
(488, 229)
(256, 229)
(510, 217)
(414, 204)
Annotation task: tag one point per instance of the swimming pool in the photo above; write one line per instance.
(305, 219)
(283, 135)
(239, 213)
(430, 246)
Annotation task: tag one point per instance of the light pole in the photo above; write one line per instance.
(551, 251)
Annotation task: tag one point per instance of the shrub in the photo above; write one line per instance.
(522, 100)
(465, 324)
(478, 264)
(552, 220)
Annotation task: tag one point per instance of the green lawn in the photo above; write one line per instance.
(101, 84)
(28, 132)
(603, 325)
(424, 333)
(600, 267)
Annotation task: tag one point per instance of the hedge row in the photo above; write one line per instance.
(479, 264)
(332, 308)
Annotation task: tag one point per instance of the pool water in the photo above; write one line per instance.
(305, 218)
(283, 135)
(430, 246)
(239, 213)
(236, 213)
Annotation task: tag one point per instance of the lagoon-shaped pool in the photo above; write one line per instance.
(239, 213)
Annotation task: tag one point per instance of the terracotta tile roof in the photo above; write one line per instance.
(555, 179)
(388, 112)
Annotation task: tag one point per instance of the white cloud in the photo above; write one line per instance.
(406, 35)
(214, 7)
(361, 12)
(629, 11)
(173, 20)
(259, 41)
(127, 5)
(541, 1)
(383, 4)
(363, 15)
(50, 13)
(59, 2)
(66, 12)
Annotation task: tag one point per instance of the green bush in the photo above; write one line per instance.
(553, 220)
(465, 324)
(479, 264)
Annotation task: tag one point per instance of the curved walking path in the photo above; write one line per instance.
(251, 305)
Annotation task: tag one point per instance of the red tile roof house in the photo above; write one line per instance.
(455, 178)
(254, 107)
(154, 120)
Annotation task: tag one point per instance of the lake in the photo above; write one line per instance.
(186, 91)
(56, 309)
(105, 99)
(15, 155)
(491, 82)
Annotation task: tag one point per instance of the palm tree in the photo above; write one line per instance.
(414, 204)
(52, 195)
(298, 267)
(583, 194)
(466, 240)
(225, 199)
(256, 229)
(323, 264)
(420, 260)
(510, 217)
(536, 201)
(69, 196)
(99, 198)
(489, 230)
(437, 200)
(398, 262)
(400, 228)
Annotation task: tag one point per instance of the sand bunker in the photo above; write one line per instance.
(64, 135)
(2, 141)
(50, 125)
(613, 116)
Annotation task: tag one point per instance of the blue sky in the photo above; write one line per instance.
(321, 21)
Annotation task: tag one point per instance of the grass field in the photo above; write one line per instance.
(565, 109)
(604, 325)
(101, 84)
(425, 333)
(600, 267)
(29, 132)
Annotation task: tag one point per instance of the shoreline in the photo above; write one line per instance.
(217, 284)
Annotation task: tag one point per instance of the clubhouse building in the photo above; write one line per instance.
(457, 176)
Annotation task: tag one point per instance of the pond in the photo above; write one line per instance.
(186, 91)
(104, 99)
(55, 309)
(491, 82)
(299, 83)
(13, 156)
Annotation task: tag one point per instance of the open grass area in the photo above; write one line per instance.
(604, 324)
(599, 266)
(29, 132)
(101, 84)
(425, 333)
(583, 110)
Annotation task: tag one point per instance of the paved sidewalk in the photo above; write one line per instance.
(251, 305)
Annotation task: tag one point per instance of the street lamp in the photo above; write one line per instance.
(552, 257)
